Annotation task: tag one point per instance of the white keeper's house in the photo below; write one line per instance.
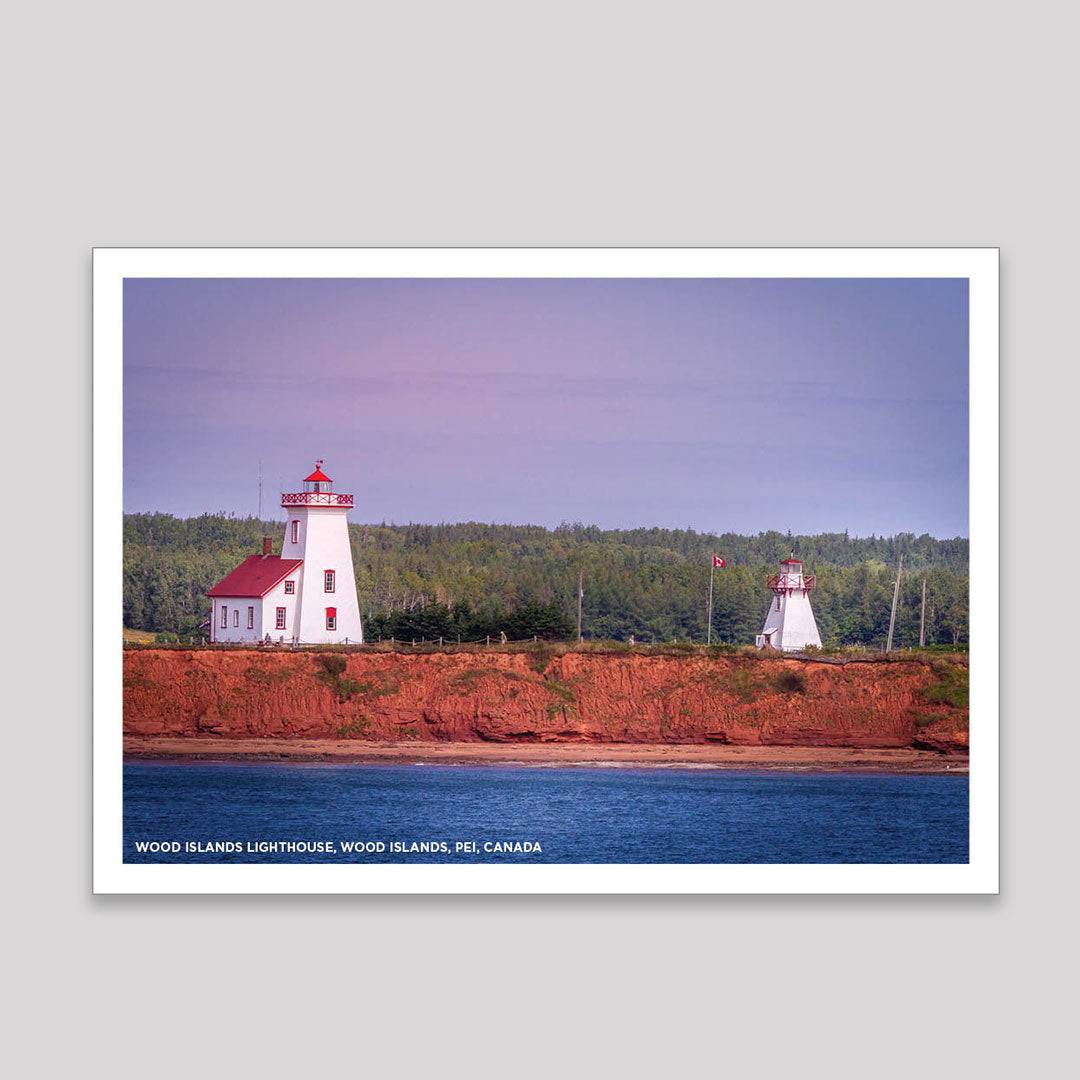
(307, 594)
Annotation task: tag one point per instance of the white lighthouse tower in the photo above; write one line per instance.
(790, 623)
(307, 594)
(317, 532)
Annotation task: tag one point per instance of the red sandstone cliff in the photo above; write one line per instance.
(543, 696)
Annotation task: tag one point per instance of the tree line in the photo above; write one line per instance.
(473, 580)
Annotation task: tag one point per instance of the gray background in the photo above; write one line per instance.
(539, 124)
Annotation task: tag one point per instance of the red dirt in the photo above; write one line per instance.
(499, 697)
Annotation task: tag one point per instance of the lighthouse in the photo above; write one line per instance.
(789, 624)
(305, 596)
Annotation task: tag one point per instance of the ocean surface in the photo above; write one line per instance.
(358, 813)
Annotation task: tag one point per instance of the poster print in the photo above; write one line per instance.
(545, 570)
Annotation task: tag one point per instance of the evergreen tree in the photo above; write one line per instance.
(473, 580)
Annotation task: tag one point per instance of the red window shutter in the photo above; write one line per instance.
(331, 612)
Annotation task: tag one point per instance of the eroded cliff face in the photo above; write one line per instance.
(538, 697)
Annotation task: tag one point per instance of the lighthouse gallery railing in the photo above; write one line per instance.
(316, 498)
(780, 582)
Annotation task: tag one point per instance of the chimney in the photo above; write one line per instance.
(267, 546)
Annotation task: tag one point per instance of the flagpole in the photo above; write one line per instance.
(712, 573)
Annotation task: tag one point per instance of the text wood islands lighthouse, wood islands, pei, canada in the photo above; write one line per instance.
(305, 596)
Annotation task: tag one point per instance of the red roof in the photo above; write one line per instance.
(317, 475)
(255, 576)
(783, 561)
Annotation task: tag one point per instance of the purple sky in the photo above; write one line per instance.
(743, 405)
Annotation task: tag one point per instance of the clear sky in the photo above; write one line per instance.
(742, 405)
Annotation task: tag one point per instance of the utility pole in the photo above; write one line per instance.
(712, 574)
(580, 597)
(895, 600)
(922, 617)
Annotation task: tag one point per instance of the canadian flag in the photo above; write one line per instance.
(717, 561)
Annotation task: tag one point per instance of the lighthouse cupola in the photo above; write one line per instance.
(790, 623)
(318, 491)
(318, 480)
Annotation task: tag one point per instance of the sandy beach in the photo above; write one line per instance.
(794, 758)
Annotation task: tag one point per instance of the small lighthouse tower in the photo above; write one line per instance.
(317, 532)
(790, 623)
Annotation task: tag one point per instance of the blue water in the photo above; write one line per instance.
(576, 815)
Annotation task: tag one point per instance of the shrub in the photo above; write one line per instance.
(563, 691)
(950, 688)
(355, 729)
(540, 656)
(743, 686)
(924, 720)
(789, 682)
(262, 676)
(333, 665)
(331, 674)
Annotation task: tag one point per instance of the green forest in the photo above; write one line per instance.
(470, 580)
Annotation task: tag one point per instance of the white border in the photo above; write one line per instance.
(112, 265)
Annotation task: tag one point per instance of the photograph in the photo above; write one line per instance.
(618, 563)
(535, 509)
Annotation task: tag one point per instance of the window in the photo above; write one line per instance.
(328, 581)
(296, 532)
(331, 618)
(280, 622)
(251, 618)
(224, 617)
(236, 617)
(290, 587)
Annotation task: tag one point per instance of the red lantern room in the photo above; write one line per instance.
(318, 480)
(318, 491)
(791, 578)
